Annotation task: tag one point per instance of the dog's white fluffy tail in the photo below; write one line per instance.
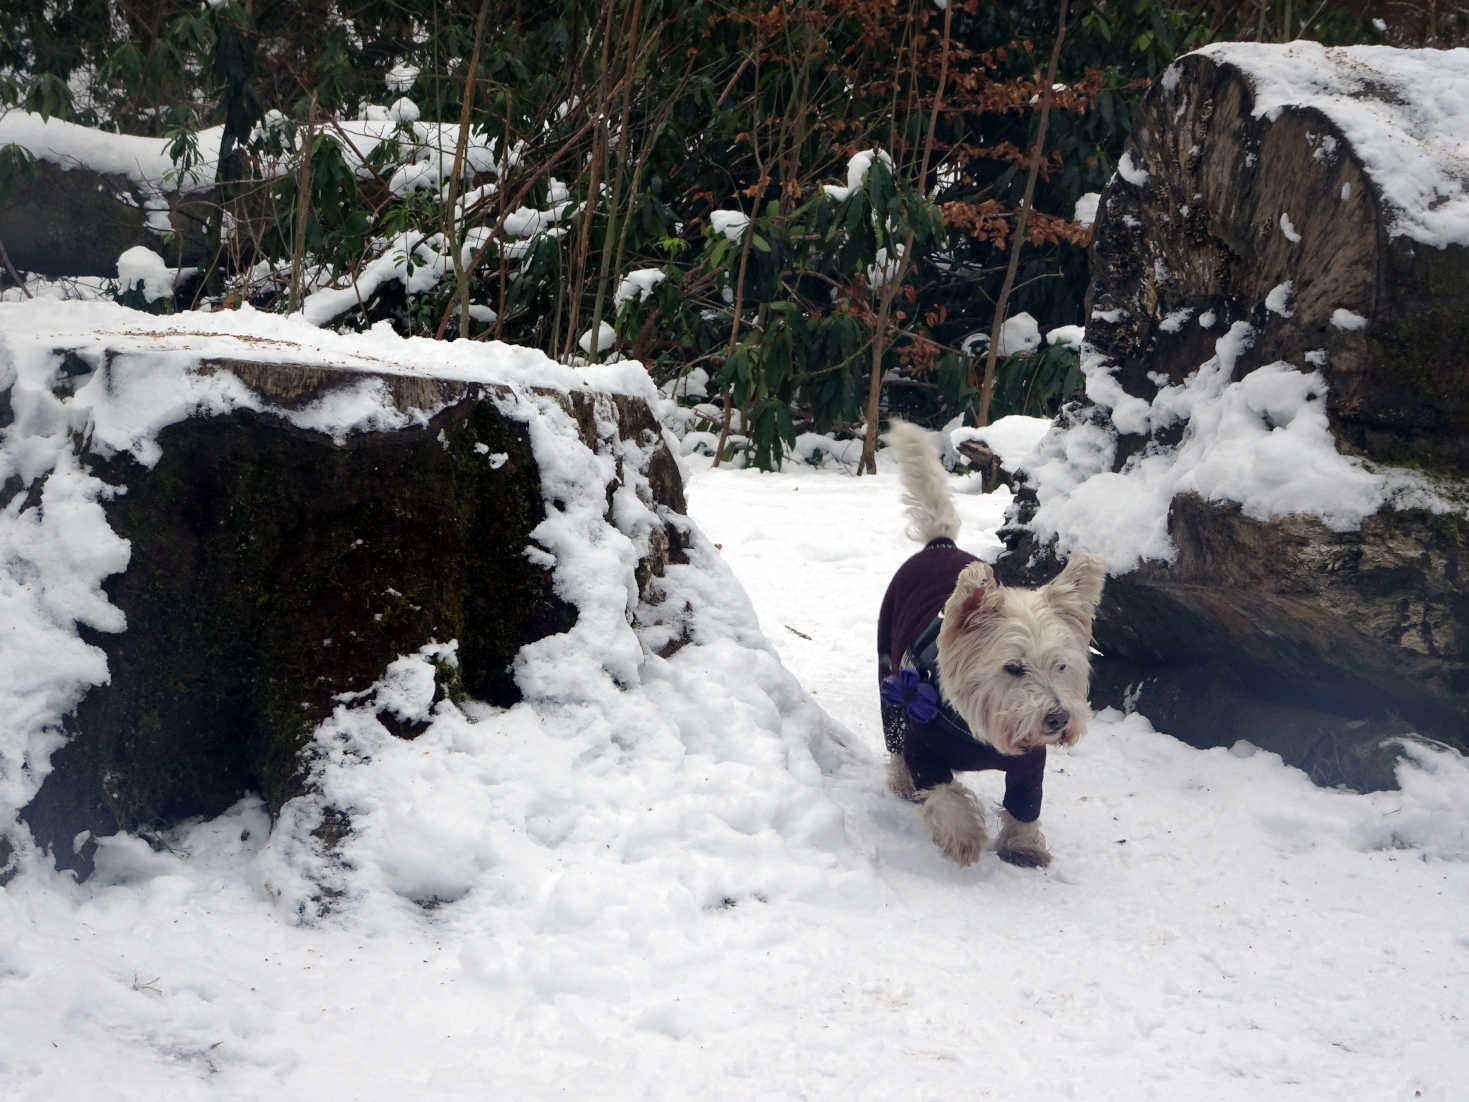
(925, 484)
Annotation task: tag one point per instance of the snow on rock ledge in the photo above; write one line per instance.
(1403, 113)
(1280, 496)
(239, 554)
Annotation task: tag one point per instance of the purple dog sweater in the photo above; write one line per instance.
(934, 751)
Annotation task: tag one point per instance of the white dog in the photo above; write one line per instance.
(975, 675)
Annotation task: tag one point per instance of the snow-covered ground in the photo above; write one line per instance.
(712, 916)
(682, 878)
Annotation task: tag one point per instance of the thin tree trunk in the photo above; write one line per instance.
(868, 462)
(303, 209)
(739, 301)
(1017, 242)
(616, 219)
(511, 204)
(734, 338)
(503, 171)
(583, 246)
(461, 144)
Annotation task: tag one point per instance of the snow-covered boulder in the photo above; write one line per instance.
(90, 195)
(1274, 451)
(219, 531)
(1317, 195)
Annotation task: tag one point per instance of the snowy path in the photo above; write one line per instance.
(1214, 926)
(652, 918)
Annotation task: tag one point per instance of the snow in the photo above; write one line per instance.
(403, 111)
(144, 161)
(1175, 320)
(408, 259)
(1278, 300)
(731, 223)
(526, 222)
(1403, 111)
(637, 284)
(428, 149)
(1020, 333)
(1069, 335)
(1261, 440)
(1130, 170)
(141, 265)
(884, 267)
(694, 383)
(1013, 439)
(597, 339)
(1085, 210)
(857, 166)
(400, 77)
(682, 877)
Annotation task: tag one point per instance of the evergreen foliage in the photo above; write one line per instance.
(681, 170)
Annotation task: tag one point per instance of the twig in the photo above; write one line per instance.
(511, 204)
(987, 386)
(10, 271)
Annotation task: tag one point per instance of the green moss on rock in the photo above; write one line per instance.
(273, 570)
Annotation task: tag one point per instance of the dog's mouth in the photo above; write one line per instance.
(1066, 736)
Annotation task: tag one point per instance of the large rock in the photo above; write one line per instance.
(276, 569)
(1231, 199)
(60, 220)
(1282, 212)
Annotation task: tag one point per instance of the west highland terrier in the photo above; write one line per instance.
(974, 675)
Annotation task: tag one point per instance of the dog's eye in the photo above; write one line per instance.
(1060, 666)
(1014, 669)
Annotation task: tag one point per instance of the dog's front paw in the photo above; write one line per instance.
(900, 780)
(954, 820)
(964, 850)
(1022, 844)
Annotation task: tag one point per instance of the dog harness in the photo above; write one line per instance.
(916, 685)
(918, 722)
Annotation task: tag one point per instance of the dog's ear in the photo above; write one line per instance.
(1075, 592)
(976, 595)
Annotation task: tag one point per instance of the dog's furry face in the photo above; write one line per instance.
(1015, 663)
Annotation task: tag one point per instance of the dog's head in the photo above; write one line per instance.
(1015, 663)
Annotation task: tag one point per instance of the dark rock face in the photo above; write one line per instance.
(273, 569)
(75, 221)
(1205, 233)
(1315, 644)
(1323, 646)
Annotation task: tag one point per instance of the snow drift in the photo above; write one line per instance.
(662, 693)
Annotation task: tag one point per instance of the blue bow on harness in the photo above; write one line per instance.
(915, 687)
(908, 690)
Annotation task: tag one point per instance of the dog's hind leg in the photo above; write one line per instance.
(1021, 844)
(953, 818)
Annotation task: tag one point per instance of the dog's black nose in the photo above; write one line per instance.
(1056, 719)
